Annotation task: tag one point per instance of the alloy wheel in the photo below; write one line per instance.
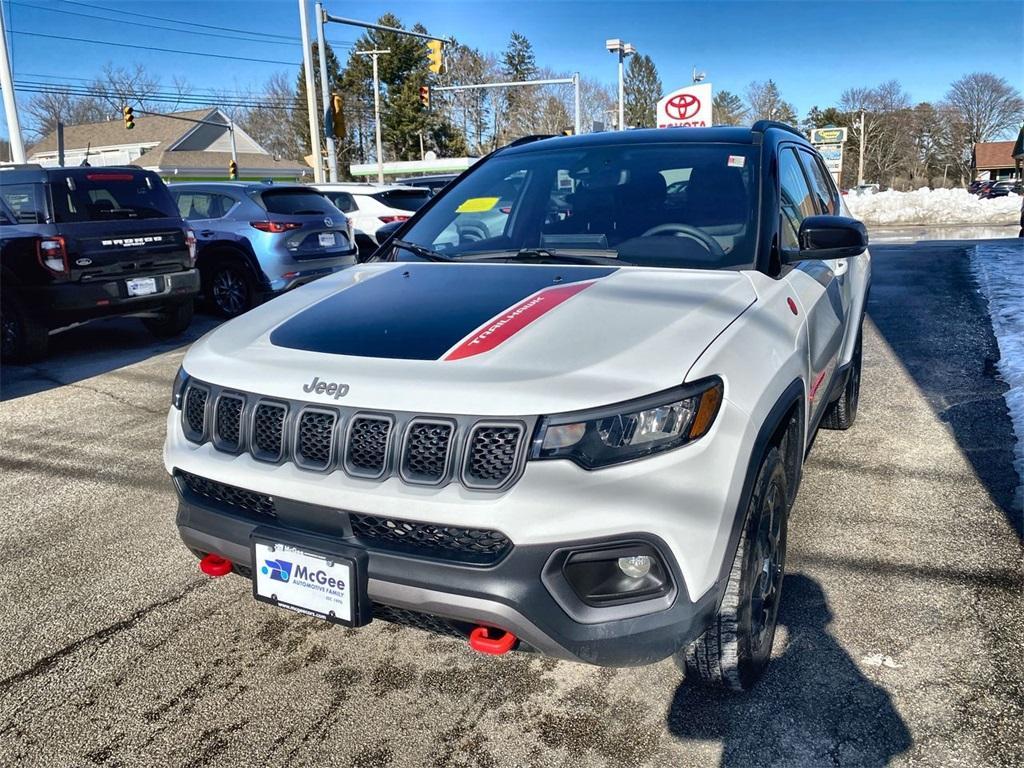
(229, 291)
(768, 562)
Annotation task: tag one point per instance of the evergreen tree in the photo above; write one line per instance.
(727, 109)
(520, 103)
(642, 88)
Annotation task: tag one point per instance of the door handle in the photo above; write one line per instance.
(206, 233)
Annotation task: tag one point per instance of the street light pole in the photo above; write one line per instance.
(623, 50)
(325, 88)
(376, 110)
(307, 71)
(860, 165)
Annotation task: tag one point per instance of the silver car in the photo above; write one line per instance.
(259, 239)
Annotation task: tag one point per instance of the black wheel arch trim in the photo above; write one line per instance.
(793, 395)
(212, 252)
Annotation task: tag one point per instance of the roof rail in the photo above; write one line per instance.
(20, 167)
(528, 139)
(762, 125)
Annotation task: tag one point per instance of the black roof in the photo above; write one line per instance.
(32, 172)
(723, 134)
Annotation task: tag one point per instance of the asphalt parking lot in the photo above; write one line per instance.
(901, 618)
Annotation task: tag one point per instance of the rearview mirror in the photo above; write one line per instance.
(829, 237)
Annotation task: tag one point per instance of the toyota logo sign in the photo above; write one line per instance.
(682, 107)
(688, 107)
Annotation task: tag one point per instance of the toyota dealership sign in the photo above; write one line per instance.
(689, 107)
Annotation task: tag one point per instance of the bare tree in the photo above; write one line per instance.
(268, 119)
(52, 105)
(118, 87)
(764, 102)
(979, 107)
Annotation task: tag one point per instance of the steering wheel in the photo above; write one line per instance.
(676, 229)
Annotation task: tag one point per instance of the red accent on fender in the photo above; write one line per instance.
(501, 328)
(792, 306)
(215, 565)
(480, 640)
(817, 384)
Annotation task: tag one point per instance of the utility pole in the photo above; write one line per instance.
(376, 109)
(577, 128)
(623, 50)
(307, 69)
(860, 164)
(325, 88)
(10, 107)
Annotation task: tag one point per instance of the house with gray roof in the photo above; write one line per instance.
(175, 148)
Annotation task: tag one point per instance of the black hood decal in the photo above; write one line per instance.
(419, 311)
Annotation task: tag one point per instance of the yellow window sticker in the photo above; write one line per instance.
(477, 205)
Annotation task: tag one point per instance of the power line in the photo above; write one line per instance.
(153, 48)
(176, 21)
(39, 79)
(158, 96)
(220, 35)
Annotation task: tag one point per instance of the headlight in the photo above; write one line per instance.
(178, 391)
(631, 430)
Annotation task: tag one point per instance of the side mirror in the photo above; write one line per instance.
(829, 237)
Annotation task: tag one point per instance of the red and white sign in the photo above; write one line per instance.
(689, 107)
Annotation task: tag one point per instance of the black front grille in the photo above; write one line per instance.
(268, 431)
(469, 545)
(367, 452)
(195, 411)
(425, 458)
(238, 498)
(316, 433)
(492, 455)
(425, 621)
(228, 421)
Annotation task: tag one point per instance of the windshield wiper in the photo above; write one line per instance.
(420, 250)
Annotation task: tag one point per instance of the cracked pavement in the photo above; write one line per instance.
(901, 619)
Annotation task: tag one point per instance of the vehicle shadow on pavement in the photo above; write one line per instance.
(925, 303)
(813, 707)
(93, 349)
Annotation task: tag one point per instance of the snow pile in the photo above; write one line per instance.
(934, 207)
(999, 269)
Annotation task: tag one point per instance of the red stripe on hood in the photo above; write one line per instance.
(501, 328)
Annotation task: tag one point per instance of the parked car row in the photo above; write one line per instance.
(986, 189)
(80, 244)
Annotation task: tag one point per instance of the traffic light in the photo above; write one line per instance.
(233, 170)
(338, 115)
(129, 118)
(436, 56)
(425, 96)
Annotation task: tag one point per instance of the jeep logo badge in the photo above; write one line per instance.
(334, 389)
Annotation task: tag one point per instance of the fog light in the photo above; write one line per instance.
(636, 567)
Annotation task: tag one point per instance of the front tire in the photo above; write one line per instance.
(843, 412)
(734, 652)
(22, 338)
(171, 321)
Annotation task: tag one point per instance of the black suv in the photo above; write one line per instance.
(77, 244)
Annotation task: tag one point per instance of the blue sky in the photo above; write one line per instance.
(813, 50)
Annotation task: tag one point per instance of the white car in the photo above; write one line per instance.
(371, 206)
(581, 435)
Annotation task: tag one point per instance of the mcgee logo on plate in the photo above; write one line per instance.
(279, 570)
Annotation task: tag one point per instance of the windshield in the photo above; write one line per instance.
(297, 202)
(109, 195)
(683, 205)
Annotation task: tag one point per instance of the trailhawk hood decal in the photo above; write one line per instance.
(481, 339)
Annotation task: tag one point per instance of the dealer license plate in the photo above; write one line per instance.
(327, 239)
(307, 582)
(141, 286)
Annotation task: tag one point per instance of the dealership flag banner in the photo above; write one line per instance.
(689, 107)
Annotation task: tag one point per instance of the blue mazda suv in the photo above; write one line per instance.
(258, 239)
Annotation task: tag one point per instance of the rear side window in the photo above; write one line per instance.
(25, 202)
(403, 199)
(343, 201)
(795, 199)
(296, 202)
(110, 196)
(821, 184)
(203, 205)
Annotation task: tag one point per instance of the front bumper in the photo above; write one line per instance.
(518, 594)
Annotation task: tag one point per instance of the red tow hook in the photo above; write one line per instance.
(215, 565)
(480, 639)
